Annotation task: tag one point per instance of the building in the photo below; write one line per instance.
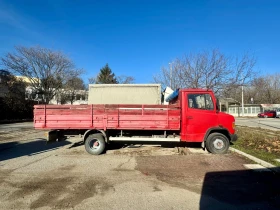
(233, 107)
(62, 96)
(250, 110)
(80, 97)
(270, 106)
(225, 103)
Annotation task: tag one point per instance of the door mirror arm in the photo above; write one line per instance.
(217, 106)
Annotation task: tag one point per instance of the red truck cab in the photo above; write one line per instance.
(203, 122)
(192, 116)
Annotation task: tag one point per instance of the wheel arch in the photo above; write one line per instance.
(88, 132)
(223, 131)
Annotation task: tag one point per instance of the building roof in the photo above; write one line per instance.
(229, 100)
(27, 79)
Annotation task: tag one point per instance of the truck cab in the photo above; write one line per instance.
(203, 122)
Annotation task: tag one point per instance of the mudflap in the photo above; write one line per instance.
(54, 136)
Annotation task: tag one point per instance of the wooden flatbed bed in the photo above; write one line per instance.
(118, 117)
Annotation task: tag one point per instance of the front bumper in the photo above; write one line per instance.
(233, 137)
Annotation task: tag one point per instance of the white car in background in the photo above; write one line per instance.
(277, 112)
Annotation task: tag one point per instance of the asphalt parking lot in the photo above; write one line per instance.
(266, 123)
(36, 175)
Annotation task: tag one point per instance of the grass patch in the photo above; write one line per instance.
(261, 143)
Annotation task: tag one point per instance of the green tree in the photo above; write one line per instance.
(105, 76)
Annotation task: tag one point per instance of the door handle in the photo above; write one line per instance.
(189, 117)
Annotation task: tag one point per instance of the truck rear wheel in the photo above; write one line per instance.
(95, 144)
(217, 143)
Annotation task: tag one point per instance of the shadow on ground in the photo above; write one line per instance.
(244, 189)
(76, 144)
(17, 149)
(116, 146)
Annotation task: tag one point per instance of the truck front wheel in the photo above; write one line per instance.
(95, 144)
(217, 143)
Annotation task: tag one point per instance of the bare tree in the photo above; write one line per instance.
(242, 74)
(92, 80)
(208, 69)
(47, 70)
(266, 89)
(72, 88)
(263, 90)
(125, 79)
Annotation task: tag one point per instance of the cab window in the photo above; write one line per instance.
(200, 101)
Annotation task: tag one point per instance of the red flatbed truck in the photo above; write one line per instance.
(192, 116)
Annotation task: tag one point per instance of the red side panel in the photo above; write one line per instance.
(127, 117)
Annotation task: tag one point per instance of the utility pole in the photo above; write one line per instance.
(170, 66)
(242, 95)
(242, 103)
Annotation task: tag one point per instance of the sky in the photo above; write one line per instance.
(138, 37)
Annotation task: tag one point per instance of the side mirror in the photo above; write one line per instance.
(217, 105)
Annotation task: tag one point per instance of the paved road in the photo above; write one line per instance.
(266, 123)
(62, 176)
(16, 125)
(16, 133)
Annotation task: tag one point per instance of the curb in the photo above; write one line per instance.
(257, 160)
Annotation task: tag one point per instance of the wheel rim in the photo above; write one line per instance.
(94, 144)
(218, 144)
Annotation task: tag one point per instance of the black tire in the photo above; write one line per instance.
(217, 143)
(93, 139)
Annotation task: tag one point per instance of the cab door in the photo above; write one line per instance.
(200, 115)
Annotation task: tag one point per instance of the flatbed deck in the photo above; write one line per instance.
(122, 117)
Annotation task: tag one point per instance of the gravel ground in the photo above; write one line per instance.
(62, 175)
